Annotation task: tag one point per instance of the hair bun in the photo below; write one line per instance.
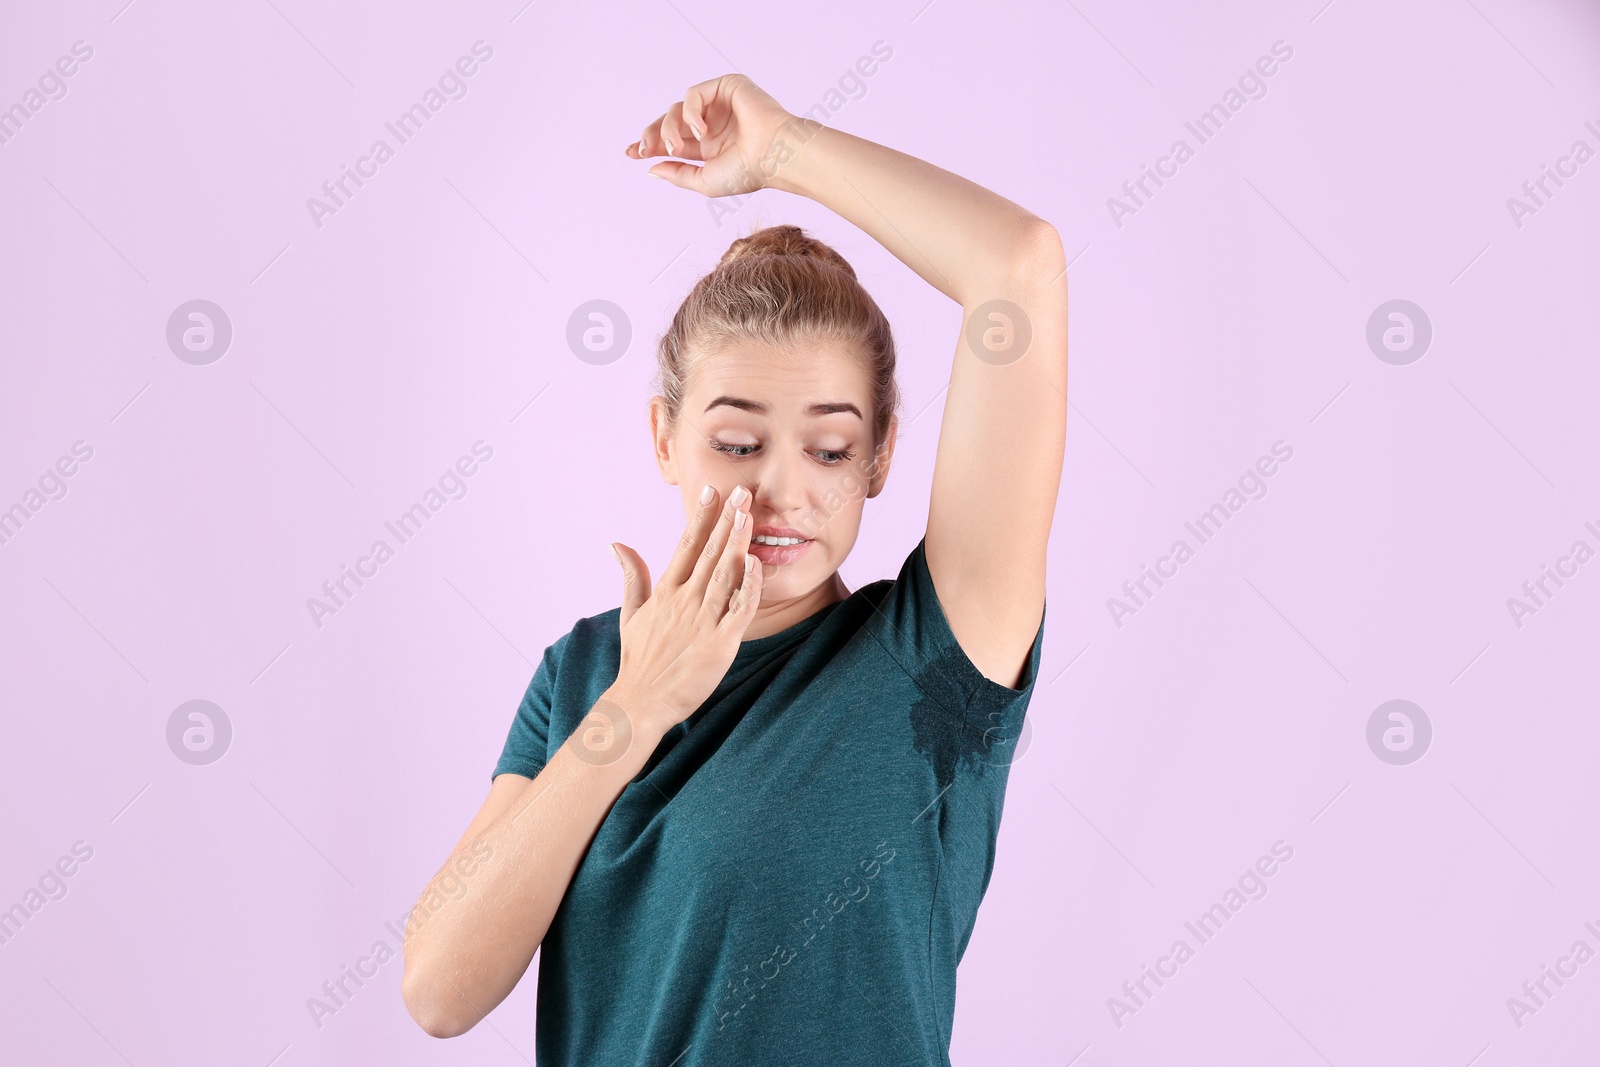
(785, 240)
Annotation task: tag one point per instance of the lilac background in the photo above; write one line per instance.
(1167, 754)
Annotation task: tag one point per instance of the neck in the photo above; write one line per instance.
(777, 617)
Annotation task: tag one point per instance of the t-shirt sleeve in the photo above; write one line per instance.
(911, 625)
(527, 745)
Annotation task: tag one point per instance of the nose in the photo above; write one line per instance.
(780, 490)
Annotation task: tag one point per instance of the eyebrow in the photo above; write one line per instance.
(827, 407)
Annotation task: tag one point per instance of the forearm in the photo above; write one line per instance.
(473, 935)
(963, 239)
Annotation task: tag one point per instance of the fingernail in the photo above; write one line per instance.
(740, 495)
(656, 174)
(615, 553)
(707, 493)
(738, 520)
(749, 561)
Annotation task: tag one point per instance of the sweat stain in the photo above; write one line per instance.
(952, 739)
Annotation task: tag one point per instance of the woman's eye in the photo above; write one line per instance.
(828, 457)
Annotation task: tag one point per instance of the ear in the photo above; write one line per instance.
(882, 458)
(661, 439)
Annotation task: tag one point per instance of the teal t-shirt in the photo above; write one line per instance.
(794, 875)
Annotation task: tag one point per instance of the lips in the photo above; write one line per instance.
(777, 531)
(778, 555)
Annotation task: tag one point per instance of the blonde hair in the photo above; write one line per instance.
(780, 286)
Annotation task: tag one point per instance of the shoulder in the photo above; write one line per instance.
(602, 628)
(912, 621)
(592, 642)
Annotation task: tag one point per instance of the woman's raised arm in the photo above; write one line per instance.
(998, 468)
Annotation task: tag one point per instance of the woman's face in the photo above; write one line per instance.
(794, 427)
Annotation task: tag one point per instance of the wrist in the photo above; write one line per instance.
(621, 730)
(648, 718)
(789, 159)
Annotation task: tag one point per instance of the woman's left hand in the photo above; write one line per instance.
(731, 126)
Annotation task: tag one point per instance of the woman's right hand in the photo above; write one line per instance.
(741, 135)
(679, 639)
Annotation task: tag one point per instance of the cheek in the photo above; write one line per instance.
(853, 484)
(695, 471)
(847, 491)
(836, 509)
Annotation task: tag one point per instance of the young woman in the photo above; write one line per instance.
(750, 814)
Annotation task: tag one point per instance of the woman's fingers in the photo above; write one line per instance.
(664, 136)
(711, 552)
(745, 599)
(689, 148)
(675, 135)
(694, 109)
(693, 540)
(688, 176)
(698, 104)
(670, 136)
(635, 581)
(680, 131)
(650, 140)
(728, 574)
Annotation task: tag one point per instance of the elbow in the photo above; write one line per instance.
(1041, 256)
(437, 1015)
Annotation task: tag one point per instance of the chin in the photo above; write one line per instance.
(793, 580)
